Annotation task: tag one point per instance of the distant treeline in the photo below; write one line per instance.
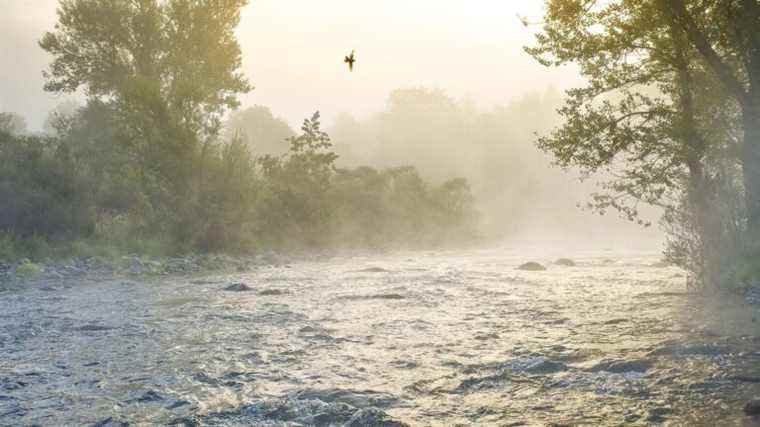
(519, 194)
(86, 185)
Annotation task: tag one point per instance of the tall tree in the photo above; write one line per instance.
(641, 119)
(726, 35)
(169, 69)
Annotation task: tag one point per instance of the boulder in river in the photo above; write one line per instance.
(752, 295)
(372, 417)
(531, 266)
(752, 407)
(149, 396)
(272, 292)
(238, 287)
(545, 367)
(565, 262)
(659, 414)
(110, 422)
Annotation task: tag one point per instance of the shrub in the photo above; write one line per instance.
(28, 270)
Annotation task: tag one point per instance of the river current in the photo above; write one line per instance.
(419, 338)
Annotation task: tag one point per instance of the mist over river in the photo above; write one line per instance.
(431, 338)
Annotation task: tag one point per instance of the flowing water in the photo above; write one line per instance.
(435, 338)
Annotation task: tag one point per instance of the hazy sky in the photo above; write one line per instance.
(293, 50)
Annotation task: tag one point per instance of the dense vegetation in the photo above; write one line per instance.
(146, 166)
(671, 114)
(75, 191)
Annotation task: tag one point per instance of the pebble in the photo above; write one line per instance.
(238, 287)
(752, 407)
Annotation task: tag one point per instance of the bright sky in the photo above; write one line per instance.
(293, 51)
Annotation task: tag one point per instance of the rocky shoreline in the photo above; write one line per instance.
(24, 272)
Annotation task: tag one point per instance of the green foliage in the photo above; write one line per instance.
(299, 200)
(297, 186)
(656, 121)
(28, 270)
(711, 244)
(396, 207)
(42, 193)
(8, 249)
(308, 202)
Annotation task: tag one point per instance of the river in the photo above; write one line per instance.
(416, 338)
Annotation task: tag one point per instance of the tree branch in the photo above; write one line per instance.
(698, 38)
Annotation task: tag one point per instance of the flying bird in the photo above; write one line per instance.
(350, 59)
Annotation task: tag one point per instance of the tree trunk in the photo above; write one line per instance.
(751, 171)
(751, 120)
(698, 192)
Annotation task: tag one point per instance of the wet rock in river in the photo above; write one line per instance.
(531, 266)
(538, 365)
(313, 407)
(658, 415)
(7, 384)
(184, 422)
(358, 399)
(752, 295)
(475, 384)
(565, 262)
(150, 396)
(177, 404)
(545, 367)
(746, 379)
(386, 296)
(110, 422)
(238, 287)
(272, 292)
(203, 377)
(752, 407)
(372, 417)
(93, 328)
